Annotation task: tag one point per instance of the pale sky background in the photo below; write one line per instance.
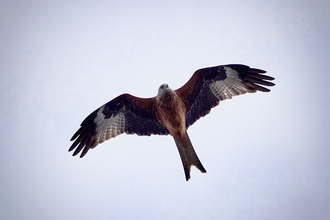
(267, 154)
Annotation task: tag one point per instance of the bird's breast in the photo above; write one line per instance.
(172, 113)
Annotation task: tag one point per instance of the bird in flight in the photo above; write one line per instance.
(171, 112)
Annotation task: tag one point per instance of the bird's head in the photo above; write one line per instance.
(164, 89)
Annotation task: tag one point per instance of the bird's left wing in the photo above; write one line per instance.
(124, 114)
(208, 86)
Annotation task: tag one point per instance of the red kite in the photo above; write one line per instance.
(171, 111)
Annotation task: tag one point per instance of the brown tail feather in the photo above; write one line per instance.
(188, 155)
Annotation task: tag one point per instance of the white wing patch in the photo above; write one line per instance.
(231, 86)
(110, 127)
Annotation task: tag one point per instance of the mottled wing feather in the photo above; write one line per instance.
(208, 86)
(124, 114)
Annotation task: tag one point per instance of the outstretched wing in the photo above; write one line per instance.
(125, 113)
(210, 85)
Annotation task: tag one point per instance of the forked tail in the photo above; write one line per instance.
(188, 155)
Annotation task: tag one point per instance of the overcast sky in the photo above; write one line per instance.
(267, 154)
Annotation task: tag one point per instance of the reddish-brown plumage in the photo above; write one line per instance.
(170, 112)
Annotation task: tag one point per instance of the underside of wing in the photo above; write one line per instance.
(208, 86)
(124, 114)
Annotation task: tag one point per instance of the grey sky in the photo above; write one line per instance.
(267, 155)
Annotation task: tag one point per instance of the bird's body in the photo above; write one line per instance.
(171, 111)
(173, 116)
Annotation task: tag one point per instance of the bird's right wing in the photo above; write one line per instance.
(124, 114)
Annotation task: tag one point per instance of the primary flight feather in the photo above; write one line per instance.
(171, 111)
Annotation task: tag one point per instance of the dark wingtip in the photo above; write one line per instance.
(75, 153)
(255, 79)
(269, 77)
(78, 132)
(254, 70)
(73, 146)
(86, 149)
